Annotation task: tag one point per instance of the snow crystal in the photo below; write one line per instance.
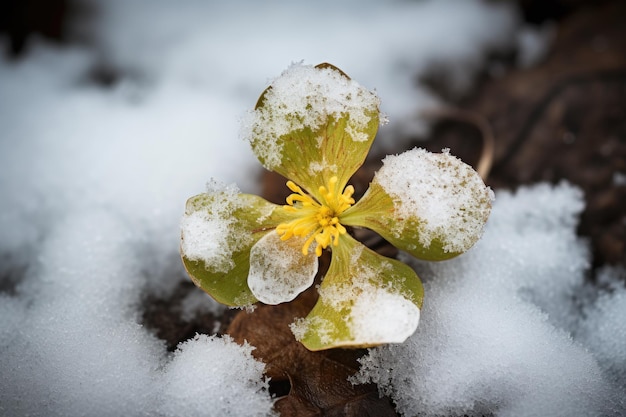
(205, 238)
(209, 228)
(317, 167)
(306, 97)
(447, 196)
(190, 386)
(278, 270)
(488, 344)
(603, 330)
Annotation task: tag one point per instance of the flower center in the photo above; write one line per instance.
(318, 220)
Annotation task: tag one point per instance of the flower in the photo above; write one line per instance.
(315, 126)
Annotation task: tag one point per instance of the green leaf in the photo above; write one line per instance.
(314, 123)
(433, 206)
(218, 232)
(365, 300)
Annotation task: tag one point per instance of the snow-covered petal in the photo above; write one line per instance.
(278, 269)
(217, 232)
(313, 123)
(365, 299)
(431, 205)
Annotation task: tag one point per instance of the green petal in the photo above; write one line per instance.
(314, 123)
(433, 206)
(218, 230)
(365, 300)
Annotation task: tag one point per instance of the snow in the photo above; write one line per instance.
(603, 329)
(496, 331)
(94, 181)
(187, 391)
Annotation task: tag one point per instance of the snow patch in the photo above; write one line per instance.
(603, 329)
(193, 382)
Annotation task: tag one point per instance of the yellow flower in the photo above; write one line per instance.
(315, 126)
(317, 221)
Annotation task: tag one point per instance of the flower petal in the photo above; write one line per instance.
(218, 230)
(433, 206)
(313, 123)
(365, 300)
(278, 270)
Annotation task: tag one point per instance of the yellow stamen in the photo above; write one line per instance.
(318, 220)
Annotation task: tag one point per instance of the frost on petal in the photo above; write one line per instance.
(214, 376)
(278, 269)
(432, 205)
(209, 228)
(218, 230)
(310, 120)
(365, 300)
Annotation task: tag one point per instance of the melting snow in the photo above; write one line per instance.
(278, 270)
